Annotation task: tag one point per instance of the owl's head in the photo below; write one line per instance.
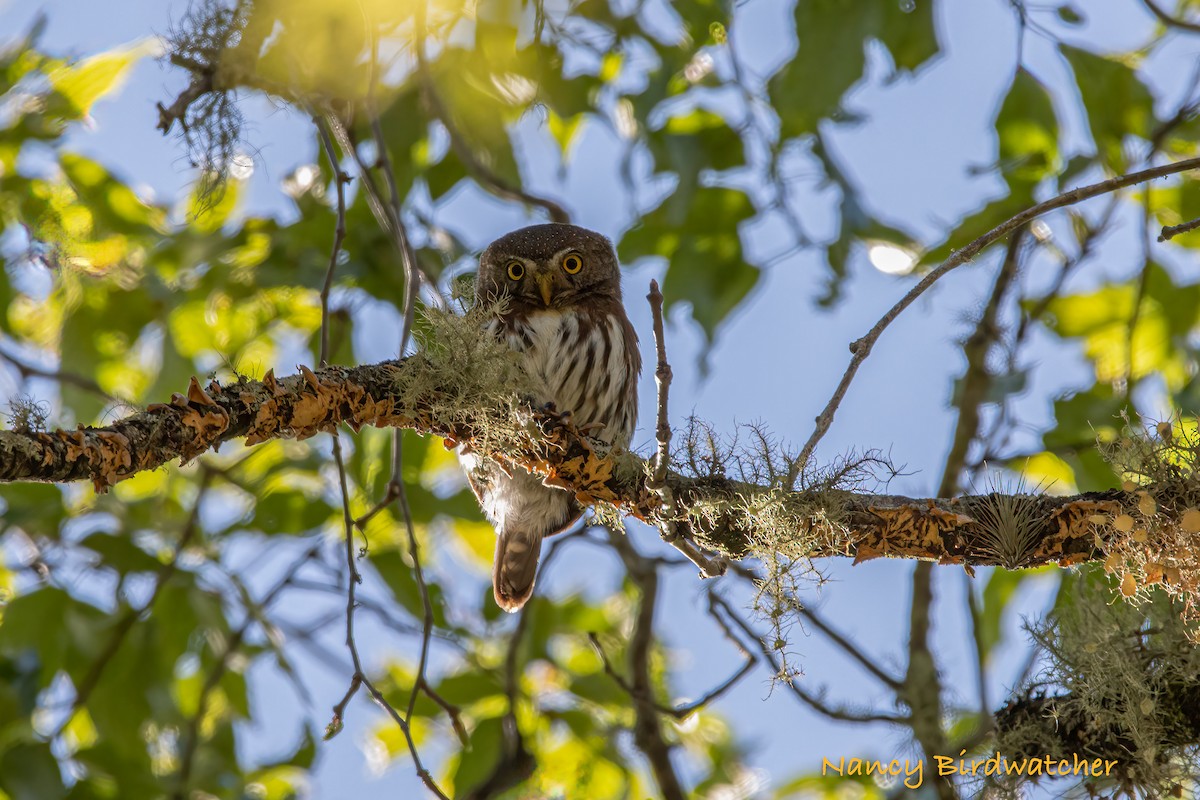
(549, 266)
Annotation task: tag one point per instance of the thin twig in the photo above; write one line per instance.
(389, 217)
(836, 636)
(976, 616)
(922, 690)
(808, 698)
(686, 710)
(359, 677)
(657, 482)
(391, 224)
(861, 348)
(30, 370)
(1169, 20)
(340, 180)
(191, 739)
(1171, 231)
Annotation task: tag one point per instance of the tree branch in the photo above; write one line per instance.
(861, 348)
(405, 394)
(1168, 20)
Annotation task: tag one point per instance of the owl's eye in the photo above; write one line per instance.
(572, 263)
(516, 270)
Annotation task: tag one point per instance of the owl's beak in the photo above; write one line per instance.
(546, 284)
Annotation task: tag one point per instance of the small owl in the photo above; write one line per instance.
(564, 315)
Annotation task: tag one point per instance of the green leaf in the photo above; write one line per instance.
(1070, 15)
(1118, 103)
(397, 573)
(1085, 417)
(29, 771)
(480, 756)
(1102, 318)
(76, 88)
(1028, 130)
(465, 688)
(700, 241)
(120, 553)
(692, 142)
(833, 37)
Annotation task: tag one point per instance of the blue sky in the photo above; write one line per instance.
(776, 360)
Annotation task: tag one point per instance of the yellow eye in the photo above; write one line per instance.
(572, 263)
(516, 270)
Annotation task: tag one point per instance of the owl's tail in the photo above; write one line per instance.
(515, 569)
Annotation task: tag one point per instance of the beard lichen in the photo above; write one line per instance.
(1120, 683)
(467, 377)
(773, 512)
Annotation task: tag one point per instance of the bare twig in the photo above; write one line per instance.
(811, 700)
(1169, 20)
(848, 647)
(975, 614)
(686, 710)
(1171, 231)
(381, 210)
(359, 677)
(191, 738)
(657, 482)
(861, 348)
(200, 85)
(340, 179)
(837, 637)
(976, 380)
(30, 370)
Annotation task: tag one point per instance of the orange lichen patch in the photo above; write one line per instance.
(198, 396)
(866, 552)
(47, 444)
(272, 384)
(588, 475)
(266, 420)
(947, 520)
(206, 428)
(205, 418)
(106, 453)
(309, 414)
(1075, 521)
(310, 378)
(921, 529)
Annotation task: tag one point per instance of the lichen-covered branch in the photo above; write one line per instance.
(424, 393)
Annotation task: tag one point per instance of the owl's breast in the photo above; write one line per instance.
(581, 363)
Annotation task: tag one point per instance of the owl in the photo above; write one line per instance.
(563, 315)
